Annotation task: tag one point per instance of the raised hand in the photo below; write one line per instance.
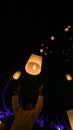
(41, 89)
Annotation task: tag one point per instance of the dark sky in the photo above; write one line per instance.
(24, 27)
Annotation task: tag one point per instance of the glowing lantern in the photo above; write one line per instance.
(33, 65)
(70, 117)
(17, 75)
(68, 77)
(41, 50)
(66, 29)
(52, 38)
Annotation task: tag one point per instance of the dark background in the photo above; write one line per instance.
(24, 26)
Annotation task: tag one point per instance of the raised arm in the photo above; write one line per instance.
(39, 104)
(15, 104)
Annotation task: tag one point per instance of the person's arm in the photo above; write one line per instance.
(39, 104)
(15, 104)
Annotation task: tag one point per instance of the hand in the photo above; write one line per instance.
(41, 89)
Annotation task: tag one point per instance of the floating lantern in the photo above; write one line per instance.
(70, 117)
(34, 64)
(52, 38)
(17, 75)
(68, 77)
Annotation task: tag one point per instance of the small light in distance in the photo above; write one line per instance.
(46, 47)
(42, 44)
(68, 77)
(69, 26)
(41, 50)
(52, 38)
(45, 53)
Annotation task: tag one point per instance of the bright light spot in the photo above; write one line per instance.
(69, 26)
(17, 75)
(0, 121)
(68, 77)
(41, 50)
(66, 29)
(45, 53)
(34, 67)
(52, 38)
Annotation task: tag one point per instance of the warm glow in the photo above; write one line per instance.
(69, 26)
(68, 77)
(0, 121)
(52, 38)
(41, 50)
(17, 75)
(66, 29)
(33, 65)
(70, 117)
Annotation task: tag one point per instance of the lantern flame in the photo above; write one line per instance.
(33, 65)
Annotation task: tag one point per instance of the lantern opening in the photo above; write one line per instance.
(33, 65)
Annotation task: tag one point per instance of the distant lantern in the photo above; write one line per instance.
(66, 29)
(34, 64)
(70, 117)
(68, 77)
(17, 75)
(41, 50)
(52, 38)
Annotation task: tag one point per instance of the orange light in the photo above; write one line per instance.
(66, 29)
(17, 75)
(68, 77)
(52, 38)
(33, 65)
(41, 50)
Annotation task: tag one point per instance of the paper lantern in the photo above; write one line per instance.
(68, 77)
(34, 64)
(17, 75)
(70, 117)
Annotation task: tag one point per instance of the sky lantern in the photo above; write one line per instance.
(34, 64)
(70, 117)
(68, 77)
(17, 75)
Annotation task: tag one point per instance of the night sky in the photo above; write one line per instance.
(26, 27)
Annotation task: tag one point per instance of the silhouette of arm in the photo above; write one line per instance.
(15, 104)
(39, 104)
